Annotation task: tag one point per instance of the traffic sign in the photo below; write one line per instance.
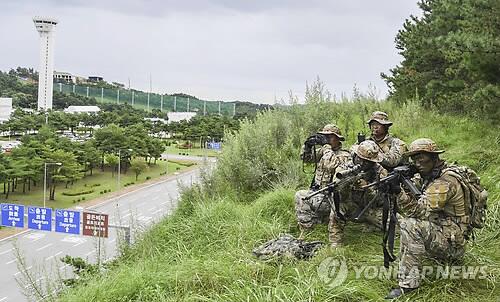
(12, 215)
(95, 224)
(40, 218)
(67, 221)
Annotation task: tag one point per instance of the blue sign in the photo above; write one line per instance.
(214, 145)
(13, 215)
(67, 221)
(40, 218)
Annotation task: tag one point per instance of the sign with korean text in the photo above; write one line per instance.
(40, 218)
(67, 221)
(13, 215)
(95, 224)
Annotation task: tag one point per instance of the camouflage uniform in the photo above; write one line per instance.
(391, 147)
(317, 209)
(436, 222)
(353, 198)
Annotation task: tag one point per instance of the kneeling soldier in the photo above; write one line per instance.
(353, 199)
(317, 209)
(436, 223)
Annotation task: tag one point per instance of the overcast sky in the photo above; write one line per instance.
(214, 49)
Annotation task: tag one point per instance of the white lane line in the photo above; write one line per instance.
(27, 269)
(126, 215)
(5, 252)
(37, 280)
(159, 210)
(11, 261)
(3, 299)
(81, 242)
(44, 247)
(55, 255)
(111, 241)
(89, 253)
(164, 203)
(63, 267)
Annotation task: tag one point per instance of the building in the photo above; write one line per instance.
(180, 116)
(5, 109)
(45, 27)
(82, 109)
(95, 79)
(156, 120)
(61, 76)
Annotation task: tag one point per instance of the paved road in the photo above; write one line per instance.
(42, 250)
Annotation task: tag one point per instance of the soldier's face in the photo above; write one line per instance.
(424, 163)
(377, 129)
(333, 141)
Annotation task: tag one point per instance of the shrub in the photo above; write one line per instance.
(77, 193)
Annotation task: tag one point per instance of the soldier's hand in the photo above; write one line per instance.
(392, 187)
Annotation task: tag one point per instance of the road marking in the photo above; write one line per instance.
(3, 299)
(164, 203)
(27, 269)
(63, 267)
(34, 236)
(112, 240)
(44, 247)
(81, 242)
(159, 210)
(11, 261)
(89, 253)
(5, 252)
(55, 255)
(126, 215)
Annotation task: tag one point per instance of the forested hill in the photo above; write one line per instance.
(21, 85)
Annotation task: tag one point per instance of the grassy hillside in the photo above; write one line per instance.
(204, 251)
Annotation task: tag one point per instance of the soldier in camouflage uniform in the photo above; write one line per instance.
(436, 223)
(317, 209)
(353, 199)
(391, 147)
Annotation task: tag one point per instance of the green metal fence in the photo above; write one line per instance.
(148, 101)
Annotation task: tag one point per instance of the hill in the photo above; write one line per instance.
(203, 252)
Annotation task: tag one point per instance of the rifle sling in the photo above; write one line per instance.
(389, 230)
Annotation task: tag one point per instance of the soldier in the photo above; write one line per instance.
(436, 223)
(353, 199)
(317, 209)
(391, 147)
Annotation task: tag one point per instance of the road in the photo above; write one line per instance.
(42, 250)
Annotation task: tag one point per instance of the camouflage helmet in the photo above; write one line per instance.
(332, 129)
(368, 150)
(380, 117)
(423, 145)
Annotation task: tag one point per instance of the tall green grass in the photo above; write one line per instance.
(203, 251)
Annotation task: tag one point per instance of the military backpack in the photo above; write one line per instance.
(475, 195)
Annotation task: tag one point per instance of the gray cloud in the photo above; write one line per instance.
(247, 50)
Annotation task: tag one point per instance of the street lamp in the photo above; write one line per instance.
(45, 180)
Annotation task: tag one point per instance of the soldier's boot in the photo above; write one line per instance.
(398, 292)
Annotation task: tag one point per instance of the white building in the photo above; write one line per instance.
(45, 27)
(180, 116)
(66, 76)
(5, 109)
(82, 109)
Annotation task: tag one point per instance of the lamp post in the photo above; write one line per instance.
(45, 180)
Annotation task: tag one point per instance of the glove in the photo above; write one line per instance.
(316, 139)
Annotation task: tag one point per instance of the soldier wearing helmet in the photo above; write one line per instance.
(317, 209)
(367, 157)
(435, 225)
(392, 148)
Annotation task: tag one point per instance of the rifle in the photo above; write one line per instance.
(342, 180)
(402, 174)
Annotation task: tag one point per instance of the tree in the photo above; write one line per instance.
(112, 161)
(450, 57)
(68, 172)
(138, 167)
